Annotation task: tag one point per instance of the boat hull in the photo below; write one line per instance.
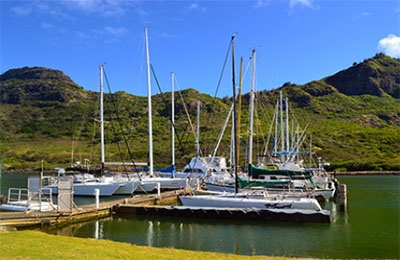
(233, 201)
(151, 183)
(127, 188)
(28, 206)
(220, 187)
(87, 189)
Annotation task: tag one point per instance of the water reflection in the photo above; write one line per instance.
(236, 237)
(98, 234)
(150, 234)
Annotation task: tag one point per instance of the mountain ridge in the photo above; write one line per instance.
(355, 107)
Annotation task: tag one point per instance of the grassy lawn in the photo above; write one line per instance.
(38, 245)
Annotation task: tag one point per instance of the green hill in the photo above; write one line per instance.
(353, 117)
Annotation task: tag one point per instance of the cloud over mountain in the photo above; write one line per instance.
(390, 45)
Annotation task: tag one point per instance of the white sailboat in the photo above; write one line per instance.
(107, 185)
(126, 186)
(84, 186)
(248, 200)
(203, 169)
(232, 200)
(151, 180)
(304, 180)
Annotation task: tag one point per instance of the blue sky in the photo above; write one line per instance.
(296, 40)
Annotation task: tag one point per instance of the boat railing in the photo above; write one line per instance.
(17, 194)
(44, 195)
(49, 180)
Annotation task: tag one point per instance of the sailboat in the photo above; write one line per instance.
(287, 162)
(288, 176)
(127, 186)
(257, 177)
(250, 201)
(150, 180)
(86, 184)
(202, 169)
(220, 178)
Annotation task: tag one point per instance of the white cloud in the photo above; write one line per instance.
(305, 3)
(262, 3)
(390, 45)
(100, 7)
(361, 15)
(46, 25)
(115, 31)
(84, 5)
(170, 36)
(197, 7)
(21, 10)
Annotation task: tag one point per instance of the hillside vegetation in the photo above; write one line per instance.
(353, 117)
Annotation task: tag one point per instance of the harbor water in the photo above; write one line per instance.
(369, 229)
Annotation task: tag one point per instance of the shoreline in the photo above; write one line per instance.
(365, 173)
(333, 173)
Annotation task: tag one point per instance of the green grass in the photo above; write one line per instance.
(37, 245)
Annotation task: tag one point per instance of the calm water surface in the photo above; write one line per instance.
(369, 229)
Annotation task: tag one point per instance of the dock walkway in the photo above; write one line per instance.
(150, 204)
(81, 213)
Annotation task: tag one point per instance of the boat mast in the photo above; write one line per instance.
(149, 106)
(198, 130)
(276, 127)
(253, 56)
(282, 128)
(72, 151)
(40, 188)
(173, 122)
(287, 129)
(101, 119)
(239, 98)
(311, 151)
(234, 115)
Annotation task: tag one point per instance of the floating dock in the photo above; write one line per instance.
(50, 218)
(269, 215)
(153, 204)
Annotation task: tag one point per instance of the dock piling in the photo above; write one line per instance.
(97, 197)
(158, 190)
(342, 197)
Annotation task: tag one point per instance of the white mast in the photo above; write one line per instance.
(173, 122)
(233, 142)
(282, 132)
(149, 106)
(287, 129)
(276, 127)
(235, 123)
(252, 107)
(198, 130)
(72, 152)
(101, 119)
(311, 151)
